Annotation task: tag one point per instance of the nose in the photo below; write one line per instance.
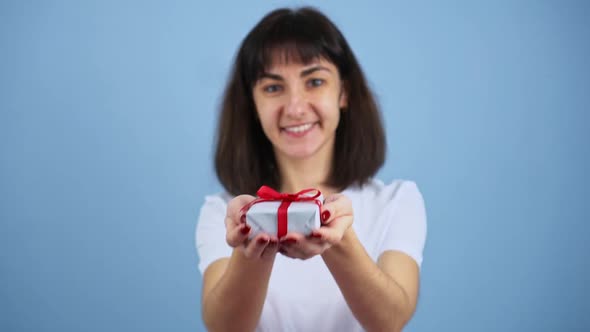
(296, 104)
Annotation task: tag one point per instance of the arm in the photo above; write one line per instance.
(383, 295)
(234, 288)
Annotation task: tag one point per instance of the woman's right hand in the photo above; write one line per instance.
(262, 246)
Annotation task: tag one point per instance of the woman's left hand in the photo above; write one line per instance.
(336, 218)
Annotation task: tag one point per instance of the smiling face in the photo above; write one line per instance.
(299, 108)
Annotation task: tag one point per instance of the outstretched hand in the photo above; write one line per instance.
(336, 218)
(262, 246)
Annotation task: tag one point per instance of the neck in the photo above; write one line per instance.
(299, 174)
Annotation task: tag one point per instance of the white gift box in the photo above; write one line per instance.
(302, 217)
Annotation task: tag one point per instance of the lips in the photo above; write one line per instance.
(299, 128)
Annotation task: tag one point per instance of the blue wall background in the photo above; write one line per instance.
(106, 129)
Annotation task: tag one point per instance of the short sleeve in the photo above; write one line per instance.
(407, 229)
(210, 233)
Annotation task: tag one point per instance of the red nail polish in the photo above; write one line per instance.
(316, 235)
(289, 241)
(262, 241)
(325, 215)
(245, 229)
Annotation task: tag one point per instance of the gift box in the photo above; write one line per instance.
(280, 213)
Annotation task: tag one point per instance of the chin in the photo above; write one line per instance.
(299, 153)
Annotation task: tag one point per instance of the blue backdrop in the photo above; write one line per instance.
(106, 127)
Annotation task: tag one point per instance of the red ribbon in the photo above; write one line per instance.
(267, 194)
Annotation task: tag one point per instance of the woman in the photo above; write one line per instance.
(297, 114)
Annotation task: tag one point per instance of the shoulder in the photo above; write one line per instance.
(214, 206)
(210, 231)
(391, 217)
(377, 193)
(217, 199)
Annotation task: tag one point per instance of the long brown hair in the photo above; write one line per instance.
(244, 157)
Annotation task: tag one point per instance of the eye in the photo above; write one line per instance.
(272, 88)
(315, 82)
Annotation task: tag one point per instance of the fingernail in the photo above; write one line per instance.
(245, 229)
(325, 215)
(262, 241)
(316, 235)
(243, 218)
(289, 241)
(273, 242)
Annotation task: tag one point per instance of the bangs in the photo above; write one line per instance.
(291, 37)
(285, 52)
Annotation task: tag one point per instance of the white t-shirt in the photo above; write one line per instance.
(302, 294)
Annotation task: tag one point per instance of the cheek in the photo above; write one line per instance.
(267, 117)
(329, 110)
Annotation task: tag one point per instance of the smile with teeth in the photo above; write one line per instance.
(299, 129)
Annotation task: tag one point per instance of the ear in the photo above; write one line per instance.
(343, 98)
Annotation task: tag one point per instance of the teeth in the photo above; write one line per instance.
(299, 129)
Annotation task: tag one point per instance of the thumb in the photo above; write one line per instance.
(234, 208)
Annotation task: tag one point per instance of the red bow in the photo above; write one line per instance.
(267, 194)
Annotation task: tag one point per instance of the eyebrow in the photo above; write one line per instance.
(304, 73)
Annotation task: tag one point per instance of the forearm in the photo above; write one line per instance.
(235, 303)
(374, 298)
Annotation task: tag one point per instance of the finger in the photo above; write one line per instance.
(238, 235)
(295, 238)
(257, 246)
(300, 249)
(331, 198)
(271, 249)
(305, 248)
(331, 234)
(289, 242)
(292, 238)
(319, 240)
(338, 207)
(317, 235)
(235, 205)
